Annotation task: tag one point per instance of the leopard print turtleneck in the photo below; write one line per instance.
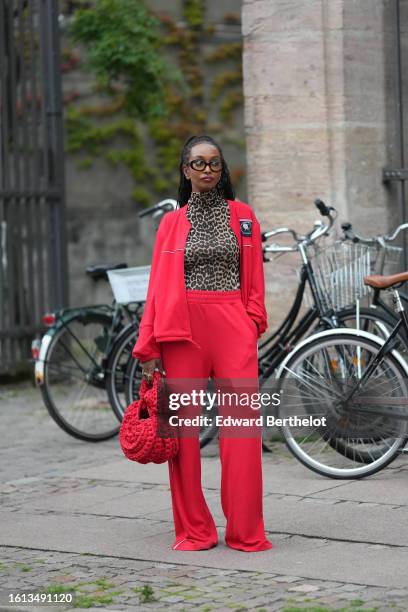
(211, 256)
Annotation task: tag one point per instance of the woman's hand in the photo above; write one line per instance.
(148, 367)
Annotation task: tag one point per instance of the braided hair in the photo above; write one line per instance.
(224, 185)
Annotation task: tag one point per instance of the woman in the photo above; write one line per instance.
(203, 316)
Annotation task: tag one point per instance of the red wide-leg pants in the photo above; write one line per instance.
(225, 347)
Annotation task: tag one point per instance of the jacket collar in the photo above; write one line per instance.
(234, 221)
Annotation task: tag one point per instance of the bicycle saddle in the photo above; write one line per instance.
(99, 270)
(378, 281)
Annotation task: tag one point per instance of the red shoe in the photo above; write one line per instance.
(267, 545)
(188, 544)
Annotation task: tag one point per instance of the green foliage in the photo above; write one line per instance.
(147, 98)
(160, 185)
(193, 11)
(122, 42)
(22, 567)
(89, 601)
(141, 196)
(83, 134)
(58, 588)
(146, 593)
(224, 79)
(167, 144)
(85, 163)
(86, 599)
(231, 101)
(225, 51)
(133, 158)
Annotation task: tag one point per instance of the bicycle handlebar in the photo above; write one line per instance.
(162, 207)
(400, 228)
(323, 209)
(374, 240)
(320, 229)
(283, 230)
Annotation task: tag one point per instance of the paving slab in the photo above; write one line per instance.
(127, 471)
(113, 502)
(79, 533)
(343, 521)
(295, 480)
(389, 489)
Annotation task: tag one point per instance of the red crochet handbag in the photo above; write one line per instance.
(141, 425)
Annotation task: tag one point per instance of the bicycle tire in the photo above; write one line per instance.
(382, 324)
(120, 373)
(132, 376)
(314, 346)
(56, 413)
(367, 316)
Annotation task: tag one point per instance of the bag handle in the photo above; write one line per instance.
(145, 386)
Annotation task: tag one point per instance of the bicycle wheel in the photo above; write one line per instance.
(316, 377)
(372, 320)
(125, 375)
(74, 378)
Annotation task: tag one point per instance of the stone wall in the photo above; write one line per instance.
(319, 117)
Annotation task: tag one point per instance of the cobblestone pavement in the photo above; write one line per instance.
(44, 483)
(123, 584)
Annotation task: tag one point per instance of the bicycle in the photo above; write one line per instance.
(73, 359)
(323, 312)
(358, 383)
(386, 259)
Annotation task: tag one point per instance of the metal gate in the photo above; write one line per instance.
(33, 261)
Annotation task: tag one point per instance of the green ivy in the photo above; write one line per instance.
(124, 43)
(225, 51)
(193, 11)
(83, 134)
(142, 196)
(223, 80)
(133, 158)
(231, 101)
(85, 163)
(122, 40)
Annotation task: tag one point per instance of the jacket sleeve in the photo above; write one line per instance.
(146, 347)
(256, 300)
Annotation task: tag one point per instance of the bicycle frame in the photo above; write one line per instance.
(288, 334)
(386, 348)
(63, 318)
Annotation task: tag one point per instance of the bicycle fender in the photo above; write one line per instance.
(40, 362)
(50, 333)
(343, 331)
(45, 343)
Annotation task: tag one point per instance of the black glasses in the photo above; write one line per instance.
(201, 164)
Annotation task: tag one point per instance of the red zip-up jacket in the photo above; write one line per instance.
(166, 315)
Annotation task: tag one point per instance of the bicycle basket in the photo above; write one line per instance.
(339, 270)
(129, 284)
(386, 260)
